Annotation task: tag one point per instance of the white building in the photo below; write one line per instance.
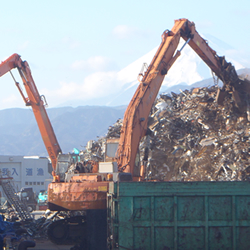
(27, 171)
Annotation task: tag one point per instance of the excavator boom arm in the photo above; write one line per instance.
(34, 100)
(136, 115)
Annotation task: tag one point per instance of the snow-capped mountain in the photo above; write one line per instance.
(187, 70)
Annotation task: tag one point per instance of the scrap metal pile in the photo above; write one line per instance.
(193, 138)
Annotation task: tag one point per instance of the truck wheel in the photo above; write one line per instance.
(25, 244)
(30, 209)
(58, 232)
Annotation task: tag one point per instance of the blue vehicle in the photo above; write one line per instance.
(42, 198)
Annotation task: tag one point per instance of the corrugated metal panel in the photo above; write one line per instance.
(179, 215)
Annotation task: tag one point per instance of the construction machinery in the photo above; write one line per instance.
(28, 196)
(36, 101)
(136, 116)
(87, 190)
(60, 162)
(42, 200)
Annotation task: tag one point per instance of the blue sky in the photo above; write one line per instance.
(74, 47)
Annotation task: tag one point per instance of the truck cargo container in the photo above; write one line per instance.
(179, 215)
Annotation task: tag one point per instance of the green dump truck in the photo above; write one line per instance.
(179, 215)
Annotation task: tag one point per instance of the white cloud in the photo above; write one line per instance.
(11, 101)
(100, 84)
(96, 85)
(96, 63)
(67, 90)
(123, 31)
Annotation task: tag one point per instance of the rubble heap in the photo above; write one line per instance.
(194, 139)
(95, 150)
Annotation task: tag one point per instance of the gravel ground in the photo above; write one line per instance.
(47, 245)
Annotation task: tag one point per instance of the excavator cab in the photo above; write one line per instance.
(64, 161)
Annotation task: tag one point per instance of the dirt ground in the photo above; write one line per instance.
(47, 245)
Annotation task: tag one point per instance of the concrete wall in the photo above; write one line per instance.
(26, 171)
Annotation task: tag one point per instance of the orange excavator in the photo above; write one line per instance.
(86, 191)
(36, 101)
(136, 116)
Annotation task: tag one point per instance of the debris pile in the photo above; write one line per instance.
(14, 235)
(114, 130)
(95, 150)
(193, 138)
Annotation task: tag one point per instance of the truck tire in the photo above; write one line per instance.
(58, 232)
(30, 208)
(25, 244)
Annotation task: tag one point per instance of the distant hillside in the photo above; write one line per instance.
(19, 133)
(74, 127)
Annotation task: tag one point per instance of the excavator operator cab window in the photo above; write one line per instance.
(24, 194)
(111, 148)
(64, 161)
(62, 167)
